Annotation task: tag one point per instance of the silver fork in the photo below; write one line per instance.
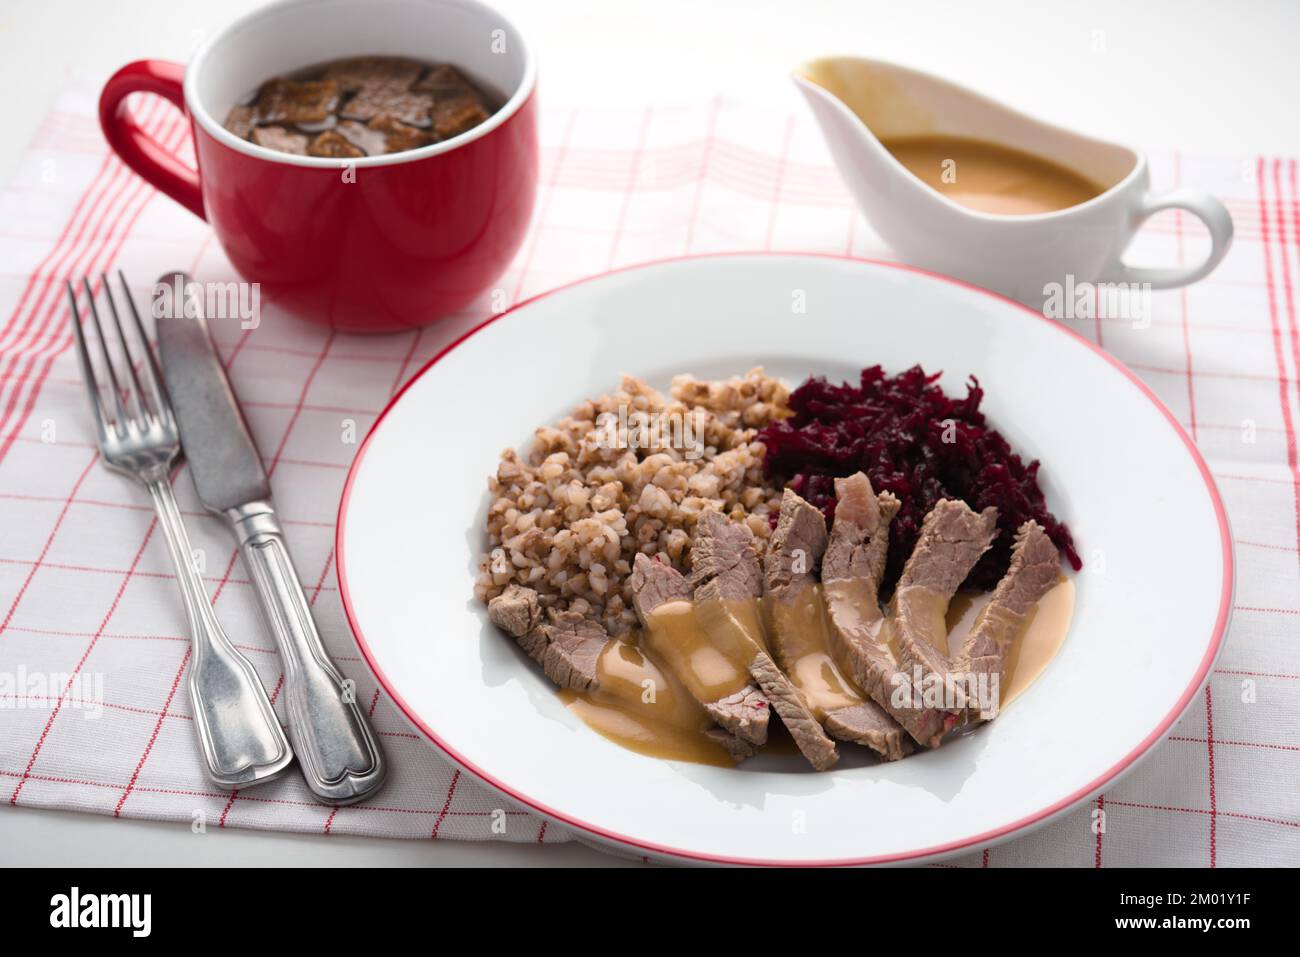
(241, 739)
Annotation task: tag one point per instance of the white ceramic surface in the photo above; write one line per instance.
(1153, 598)
(1015, 255)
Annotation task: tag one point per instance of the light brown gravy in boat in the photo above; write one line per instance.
(646, 699)
(989, 177)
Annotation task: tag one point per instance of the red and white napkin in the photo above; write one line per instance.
(88, 607)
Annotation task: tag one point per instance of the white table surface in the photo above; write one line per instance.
(1197, 76)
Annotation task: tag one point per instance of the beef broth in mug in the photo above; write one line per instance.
(361, 106)
(989, 177)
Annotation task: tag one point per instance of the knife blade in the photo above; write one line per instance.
(336, 748)
(223, 459)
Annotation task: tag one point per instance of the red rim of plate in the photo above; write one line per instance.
(1216, 640)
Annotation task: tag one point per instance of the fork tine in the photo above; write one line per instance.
(108, 361)
(87, 370)
(126, 348)
(153, 375)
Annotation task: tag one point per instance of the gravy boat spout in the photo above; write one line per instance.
(862, 104)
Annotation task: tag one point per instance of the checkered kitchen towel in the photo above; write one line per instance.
(86, 590)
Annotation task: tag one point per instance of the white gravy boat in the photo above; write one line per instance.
(858, 102)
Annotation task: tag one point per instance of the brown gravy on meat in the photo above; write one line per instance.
(989, 177)
(640, 704)
(711, 668)
(799, 633)
(736, 626)
(1036, 645)
(648, 691)
(927, 609)
(851, 599)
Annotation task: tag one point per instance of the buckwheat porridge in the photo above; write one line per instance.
(626, 473)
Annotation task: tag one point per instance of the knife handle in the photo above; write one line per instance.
(240, 737)
(336, 748)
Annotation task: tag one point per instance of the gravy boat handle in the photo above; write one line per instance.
(1205, 207)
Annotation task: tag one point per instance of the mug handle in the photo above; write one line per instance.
(157, 165)
(1209, 210)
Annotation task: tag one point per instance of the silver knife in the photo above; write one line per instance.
(336, 748)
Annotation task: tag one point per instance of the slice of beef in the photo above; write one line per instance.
(851, 573)
(573, 647)
(785, 699)
(738, 748)
(951, 540)
(870, 725)
(655, 583)
(725, 568)
(789, 704)
(1035, 566)
(724, 563)
(516, 611)
(795, 548)
(799, 546)
(859, 538)
(745, 713)
(568, 647)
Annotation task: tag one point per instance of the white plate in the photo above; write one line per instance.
(1152, 601)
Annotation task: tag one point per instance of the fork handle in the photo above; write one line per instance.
(240, 737)
(338, 753)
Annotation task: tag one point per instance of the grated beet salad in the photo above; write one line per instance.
(910, 439)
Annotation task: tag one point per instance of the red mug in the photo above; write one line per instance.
(373, 244)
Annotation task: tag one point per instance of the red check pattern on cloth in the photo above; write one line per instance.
(86, 589)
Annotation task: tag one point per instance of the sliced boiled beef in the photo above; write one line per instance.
(794, 554)
(951, 541)
(569, 646)
(871, 726)
(724, 560)
(851, 573)
(744, 711)
(1035, 567)
(728, 583)
(737, 747)
(788, 702)
(573, 647)
(795, 548)
(516, 611)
